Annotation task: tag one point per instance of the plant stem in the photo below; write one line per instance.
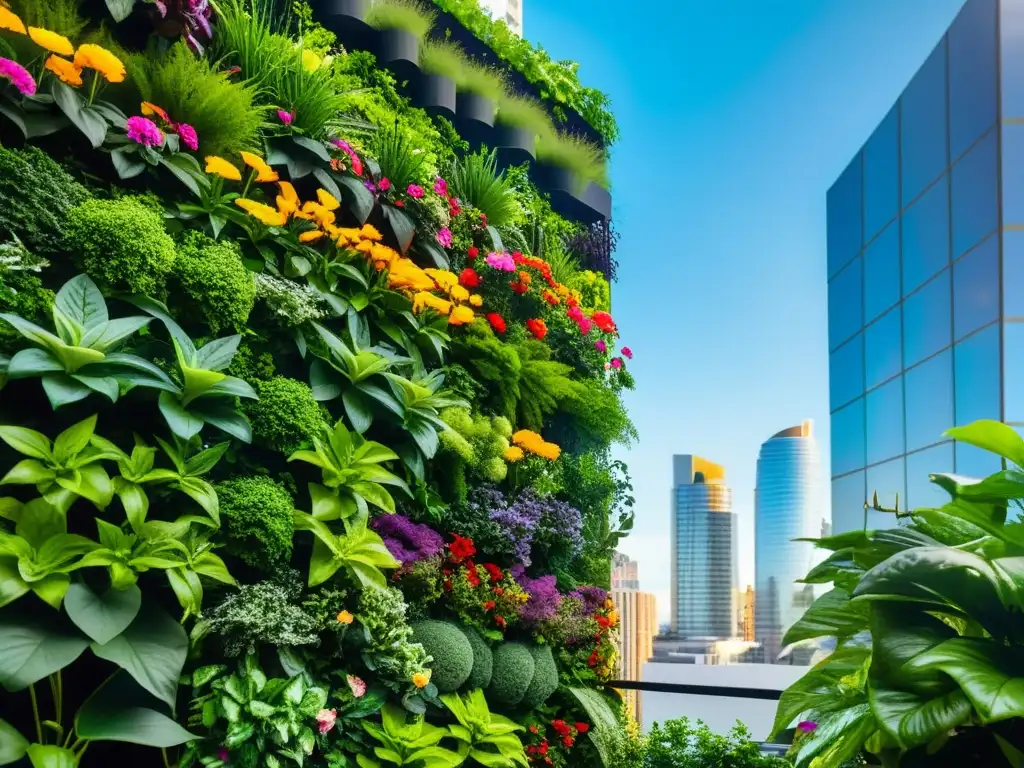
(167, 762)
(35, 712)
(60, 697)
(95, 85)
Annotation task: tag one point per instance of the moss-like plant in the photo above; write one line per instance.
(483, 81)
(545, 677)
(258, 518)
(513, 672)
(566, 150)
(212, 275)
(451, 651)
(441, 57)
(523, 112)
(121, 244)
(483, 660)
(286, 416)
(476, 180)
(408, 15)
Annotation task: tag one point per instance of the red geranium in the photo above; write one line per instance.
(582, 727)
(469, 278)
(400, 203)
(500, 621)
(568, 741)
(489, 605)
(454, 208)
(461, 547)
(497, 322)
(561, 727)
(472, 577)
(537, 327)
(473, 252)
(494, 572)
(603, 621)
(519, 287)
(604, 321)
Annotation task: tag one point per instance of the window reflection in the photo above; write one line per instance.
(926, 321)
(884, 421)
(848, 503)
(976, 288)
(882, 349)
(1011, 24)
(925, 236)
(976, 372)
(972, 74)
(923, 138)
(845, 304)
(887, 481)
(881, 175)
(921, 492)
(1013, 273)
(1013, 160)
(882, 272)
(848, 438)
(929, 393)
(846, 372)
(844, 217)
(1013, 372)
(975, 195)
(974, 462)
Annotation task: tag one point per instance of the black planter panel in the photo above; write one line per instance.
(435, 94)
(515, 145)
(345, 19)
(399, 51)
(569, 198)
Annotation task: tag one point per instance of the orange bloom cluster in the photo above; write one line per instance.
(533, 443)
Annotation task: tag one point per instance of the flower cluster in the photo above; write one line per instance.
(482, 594)
(553, 751)
(533, 443)
(408, 542)
(186, 133)
(544, 596)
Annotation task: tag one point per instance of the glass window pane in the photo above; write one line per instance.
(922, 493)
(975, 195)
(846, 372)
(972, 74)
(887, 480)
(923, 126)
(884, 421)
(1011, 28)
(1013, 372)
(848, 438)
(976, 288)
(845, 304)
(848, 503)
(1013, 160)
(925, 236)
(844, 217)
(929, 401)
(926, 321)
(974, 462)
(881, 175)
(882, 272)
(1013, 273)
(976, 376)
(882, 349)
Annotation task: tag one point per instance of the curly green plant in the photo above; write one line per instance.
(513, 672)
(286, 416)
(406, 741)
(215, 281)
(390, 647)
(484, 738)
(451, 652)
(258, 521)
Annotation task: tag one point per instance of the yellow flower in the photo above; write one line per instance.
(288, 191)
(423, 299)
(327, 200)
(346, 235)
(535, 444)
(405, 274)
(461, 316)
(10, 21)
(310, 237)
(366, 246)
(514, 453)
(459, 293)
(286, 206)
(65, 70)
(218, 166)
(264, 173)
(445, 280)
(476, 300)
(421, 679)
(383, 257)
(310, 61)
(345, 617)
(262, 213)
(609, 603)
(51, 41)
(96, 57)
(370, 233)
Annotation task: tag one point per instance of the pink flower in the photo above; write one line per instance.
(384, 184)
(286, 117)
(189, 136)
(344, 146)
(585, 325)
(600, 346)
(19, 77)
(143, 131)
(358, 686)
(325, 719)
(616, 362)
(441, 187)
(415, 191)
(575, 314)
(444, 237)
(627, 353)
(223, 754)
(807, 726)
(501, 261)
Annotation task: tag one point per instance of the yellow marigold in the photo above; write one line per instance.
(445, 280)
(423, 300)
(535, 444)
(218, 166)
(264, 173)
(405, 274)
(286, 206)
(96, 57)
(325, 217)
(421, 679)
(310, 61)
(461, 316)
(51, 41)
(346, 235)
(149, 110)
(65, 70)
(476, 300)
(262, 213)
(311, 236)
(370, 233)
(383, 257)
(366, 246)
(10, 21)
(514, 453)
(459, 293)
(345, 617)
(288, 191)
(327, 200)
(548, 450)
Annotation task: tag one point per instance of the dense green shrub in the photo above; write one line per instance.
(451, 650)
(545, 677)
(121, 244)
(286, 415)
(483, 660)
(513, 673)
(257, 515)
(22, 294)
(252, 363)
(36, 194)
(211, 274)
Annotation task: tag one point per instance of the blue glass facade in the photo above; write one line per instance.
(704, 566)
(787, 507)
(926, 272)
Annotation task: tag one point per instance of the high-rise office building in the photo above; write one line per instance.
(509, 11)
(625, 572)
(704, 567)
(787, 507)
(747, 630)
(638, 624)
(925, 271)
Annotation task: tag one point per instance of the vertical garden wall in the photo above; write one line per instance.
(307, 394)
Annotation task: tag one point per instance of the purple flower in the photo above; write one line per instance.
(188, 136)
(19, 76)
(591, 597)
(223, 754)
(518, 523)
(414, 190)
(807, 726)
(286, 117)
(444, 237)
(544, 595)
(408, 542)
(143, 131)
(370, 185)
(600, 346)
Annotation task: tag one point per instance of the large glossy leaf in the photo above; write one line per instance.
(820, 689)
(993, 436)
(401, 224)
(832, 614)
(916, 720)
(840, 736)
(32, 649)
(12, 744)
(360, 200)
(182, 423)
(102, 617)
(900, 633)
(120, 9)
(603, 721)
(51, 756)
(81, 301)
(120, 710)
(79, 113)
(152, 650)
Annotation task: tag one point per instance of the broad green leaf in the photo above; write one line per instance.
(52, 588)
(86, 120)
(993, 436)
(324, 382)
(831, 615)
(82, 302)
(1014, 756)
(28, 472)
(33, 650)
(110, 334)
(358, 409)
(374, 494)
(225, 417)
(181, 422)
(73, 440)
(13, 745)
(820, 688)
(203, 494)
(915, 720)
(63, 390)
(33, 362)
(120, 710)
(840, 736)
(218, 354)
(327, 505)
(212, 566)
(12, 586)
(207, 459)
(51, 756)
(104, 617)
(91, 482)
(120, 9)
(27, 442)
(134, 500)
(34, 333)
(322, 564)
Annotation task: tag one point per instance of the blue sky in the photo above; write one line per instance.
(737, 116)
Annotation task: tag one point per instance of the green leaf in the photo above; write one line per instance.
(91, 482)
(840, 736)
(73, 440)
(33, 362)
(327, 505)
(181, 422)
(993, 436)
(81, 301)
(104, 617)
(50, 756)
(12, 744)
(914, 719)
(322, 564)
(120, 9)
(120, 710)
(1013, 755)
(27, 442)
(63, 390)
(28, 472)
(360, 200)
(226, 418)
(52, 588)
(206, 460)
(12, 586)
(401, 224)
(203, 494)
(92, 126)
(134, 500)
(152, 650)
(33, 650)
(212, 566)
(126, 162)
(831, 615)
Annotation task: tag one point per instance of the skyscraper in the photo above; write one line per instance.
(787, 506)
(704, 568)
(926, 270)
(638, 624)
(747, 631)
(509, 11)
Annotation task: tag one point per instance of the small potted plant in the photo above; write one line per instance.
(441, 67)
(480, 88)
(517, 124)
(574, 172)
(345, 18)
(403, 24)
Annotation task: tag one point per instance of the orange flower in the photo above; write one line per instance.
(514, 453)
(383, 257)
(262, 213)
(11, 22)
(421, 679)
(327, 200)
(264, 173)
(370, 233)
(311, 236)
(345, 617)
(96, 57)
(68, 73)
(461, 316)
(149, 110)
(51, 41)
(551, 299)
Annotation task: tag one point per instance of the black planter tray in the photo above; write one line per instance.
(570, 196)
(399, 51)
(515, 145)
(345, 18)
(435, 94)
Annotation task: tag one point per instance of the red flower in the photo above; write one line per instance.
(473, 252)
(454, 209)
(399, 203)
(483, 219)
(534, 729)
(469, 278)
(604, 321)
(544, 747)
(498, 591)
(519, 287)
(494, 572)
(568, 741)
(489, 605)
(472, 577)
(537, 328)
(561, 727)
(448, 585)
(603, 622)
(582, 727)
(384, 184)
(500, 621)
(461, 547)
(594, 658)
(497, 322)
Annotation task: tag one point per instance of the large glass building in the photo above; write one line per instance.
(704, 567)
(926, 272)
(787, 507)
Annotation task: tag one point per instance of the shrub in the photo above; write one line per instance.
(286, 416)
(121, 244)
(36, 194)
(396, 656)
(451, 651)
(476, 179)
(523, 112)
(258, 517)
(213, 276)
(513, 673)
(251, 363)
(441, 57)
(483, 660)
(22, 294)
(545, 677)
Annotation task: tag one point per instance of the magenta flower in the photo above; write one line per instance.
(370, 185)
(501, 261)
(585, 325)
(807, 726)
(441, 187)
(325, 720)
(444, 237)
(384, 184)
(286, 117)
(357, 686)
(189, 136)
(575, 313)
(143, 131)
(415, 191)
(616, 362)
(19, 77)
(627, 353)
(223, 754)
(600, 346)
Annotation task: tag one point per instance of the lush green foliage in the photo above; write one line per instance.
(451, 652)
(513, 673)
(286, 417)
(407, 15)
(215, 281)
(258, 518)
